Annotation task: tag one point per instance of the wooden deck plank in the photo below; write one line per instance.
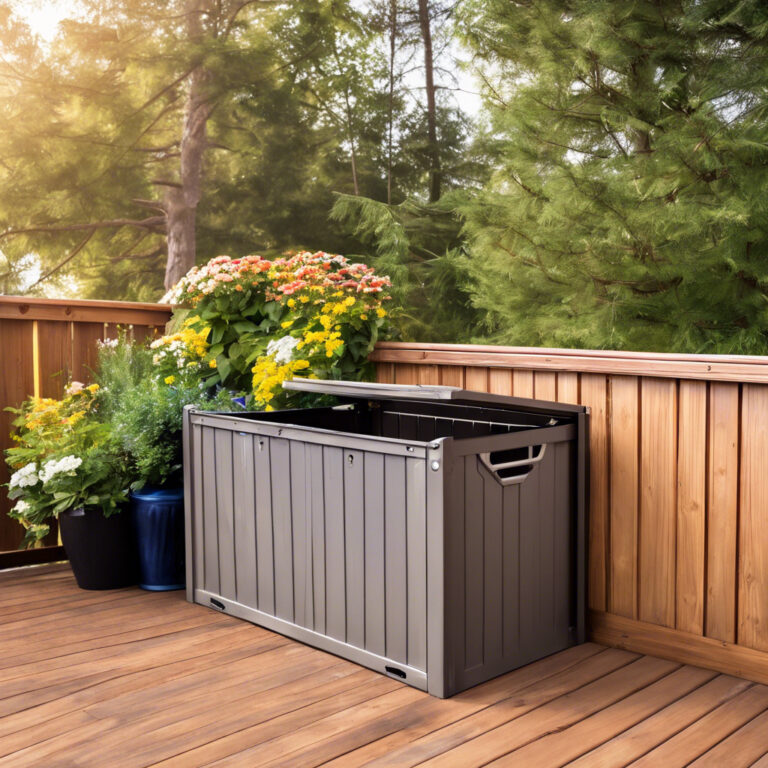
(133, 679)
(705, 733)
(643, 737)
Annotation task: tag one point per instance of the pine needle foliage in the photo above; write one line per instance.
(420, 247)
(629, 208)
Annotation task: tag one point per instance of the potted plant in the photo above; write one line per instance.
(143, 407)
(66, 466)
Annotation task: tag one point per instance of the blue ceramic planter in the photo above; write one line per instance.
(158, 523)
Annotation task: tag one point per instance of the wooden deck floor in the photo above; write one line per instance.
(131, 678)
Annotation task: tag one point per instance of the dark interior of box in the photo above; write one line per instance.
(417, 420)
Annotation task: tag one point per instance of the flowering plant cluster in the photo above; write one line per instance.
(62, 459)
(314, 314)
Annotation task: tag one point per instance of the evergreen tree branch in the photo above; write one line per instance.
(79, 247)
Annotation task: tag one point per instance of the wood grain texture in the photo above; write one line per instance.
(691, 506)
(500, 382)
(568, 387)
(624, 479)
(595, 395)
(522, 383)
(753, 522)
(722, 511)
(476, 379)
(545, 385)
(658, 506)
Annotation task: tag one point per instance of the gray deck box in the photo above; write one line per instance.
(433, 534)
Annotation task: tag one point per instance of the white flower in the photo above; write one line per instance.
(281, 350)
(24, 477)
(75, 388)
(54, 467)
(108, 343)
(21, 507)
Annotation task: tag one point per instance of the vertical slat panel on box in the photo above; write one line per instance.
(545, 512)
(416, 535)
(54, 340)
(510, 521)
(545, 385)
(406, 373)
(335, 586)
(16, 384)
(691, 506)
(473, 563)
(245, 519)
(563, 563)
(84, 349)
(316, 502)
(354, 546)
(722, 510)
(225, 513)
(753, 519)
(658, 507)
(198, 511)
(476, 379)
(210, 515)
(282, 526)
(531, 555)
(522, 383)
(500, 381)
(493, 611)
(302, 585)
(452, 376)
(374, 552)
(594, 394)
(262, 477)
(568, 387)
(624, 476)
(454, 589)
(395, 559)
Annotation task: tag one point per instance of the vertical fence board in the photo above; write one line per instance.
(723, 490)
(54, 341)
(500, 381)
(428, 374)
(407, 374)
(522, 383)
(385, 372)
(452, 375)
(568, 387)
(594, 394)
(691, 506)
(545, 385)
(658, 471)
(16, 383)
(84, 350)
(622, 589)
(753, 522)
(476, 379)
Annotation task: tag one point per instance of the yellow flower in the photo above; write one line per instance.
(212, 364)
(93, 388)
(381, 312)
(169, 379)
(286, 324)
(349, 301)
(363, 316)
(291, 303)
(303, 299)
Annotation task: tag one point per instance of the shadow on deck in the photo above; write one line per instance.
(132, 678)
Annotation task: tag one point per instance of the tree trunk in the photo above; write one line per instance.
(181, 201)
(390, 116)
(433, 149)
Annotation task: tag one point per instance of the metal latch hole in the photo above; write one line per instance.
(218, 604)
(396, 672)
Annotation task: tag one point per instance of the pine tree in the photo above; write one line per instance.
(629, 208)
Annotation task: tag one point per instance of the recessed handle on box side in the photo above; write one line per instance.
(529, 461)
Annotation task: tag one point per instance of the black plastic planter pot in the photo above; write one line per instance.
(101, 550)
(158, 524)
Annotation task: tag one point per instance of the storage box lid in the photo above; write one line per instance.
(376, 391)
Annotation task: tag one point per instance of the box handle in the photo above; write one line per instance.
(511, 478)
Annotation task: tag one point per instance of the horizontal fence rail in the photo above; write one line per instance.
(678, 545)
(44, 343)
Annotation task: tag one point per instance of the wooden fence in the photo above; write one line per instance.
(43, 344)
(678, 544)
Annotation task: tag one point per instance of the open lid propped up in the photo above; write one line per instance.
(430, 392)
